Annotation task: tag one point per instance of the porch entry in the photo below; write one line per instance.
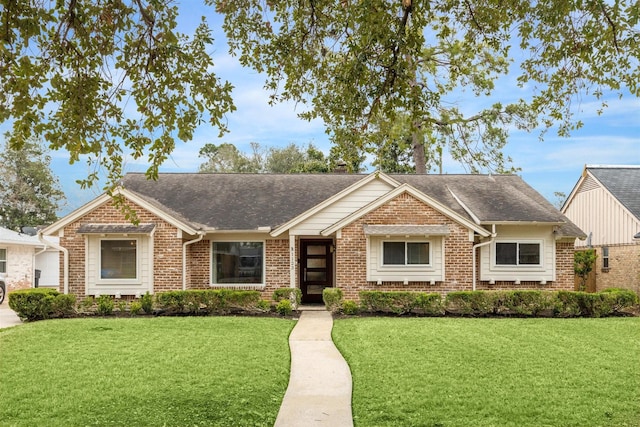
(316, 269)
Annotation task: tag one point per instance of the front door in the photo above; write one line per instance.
(316, 269)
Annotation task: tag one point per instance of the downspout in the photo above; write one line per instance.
(184, 258)
(65, 268)
(478, 245)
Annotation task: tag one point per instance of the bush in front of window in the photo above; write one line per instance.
(146, 302)
(135, 308)
(350, 308)
(522, 302)
(388, 302)
(470, 303)
(41, 303)
(105, 305)
(210, 301)
(332, 298)
(429, 304)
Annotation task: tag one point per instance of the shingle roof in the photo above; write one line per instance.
(116, 228)
(250, 201)
(623, 182)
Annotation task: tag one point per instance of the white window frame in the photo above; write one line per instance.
(212, 266)
(405, 265)
(518, 242)
(3, 261)
(115, 281)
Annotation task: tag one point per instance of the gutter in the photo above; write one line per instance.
(65, 252)
(184, 258)
(478, 245)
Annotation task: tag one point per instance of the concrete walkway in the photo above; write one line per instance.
(319, 391)
(8, 317)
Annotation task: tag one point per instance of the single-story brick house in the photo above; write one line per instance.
(435, 233)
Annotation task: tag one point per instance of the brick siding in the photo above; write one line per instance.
(624, 268)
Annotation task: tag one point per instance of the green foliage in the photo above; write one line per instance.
(71, 72)
(121, 306)
(30, 193)
(363, 66)
(41, 303)
(350, 308)
(400, 302)
(135, 308)
(583, 262)
(284, 307)
(264, 305)
(210, 301)
(105, 305)
(474, 303)
(292, 294)
(146, 302)
(522, 303)
(332, 298)
(86, 305)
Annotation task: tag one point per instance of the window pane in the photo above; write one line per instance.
(316, 262)
(506, 253)
(237, 262)
(393, 253)
(118, 259)
(316, 250)
(3, 260)
(316, 276)
(418, 253)
(529, 253)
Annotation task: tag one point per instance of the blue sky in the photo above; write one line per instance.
(554, 164)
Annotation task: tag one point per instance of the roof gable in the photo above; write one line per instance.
(623, 182)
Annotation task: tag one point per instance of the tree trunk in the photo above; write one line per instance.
(417, 146)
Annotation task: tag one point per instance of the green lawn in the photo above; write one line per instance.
(148, 372)
(493, 372)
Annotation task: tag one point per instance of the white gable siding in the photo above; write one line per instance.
(596, 211)
(96, 286)
(347, 205)
(522, 234)
(376, 271)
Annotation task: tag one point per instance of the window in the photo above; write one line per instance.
(118, 259)
(405, 253)
(514, 253)
(605, 257)
(238, 262)
(3, 260)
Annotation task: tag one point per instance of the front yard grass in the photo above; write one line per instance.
(190, 371)
(493, 372)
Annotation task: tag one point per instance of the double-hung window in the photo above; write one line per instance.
(118, 259)
(405, 253)
(517, 253)
(238, 263)
(3, 260)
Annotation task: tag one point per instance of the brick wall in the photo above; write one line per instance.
(624, 268)
(404, 209)
(167, 248)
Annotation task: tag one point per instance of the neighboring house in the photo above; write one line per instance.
(436, 233)
(605, 203)
(21, 255)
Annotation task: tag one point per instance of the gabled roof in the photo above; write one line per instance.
(268, 201)
(623, 182)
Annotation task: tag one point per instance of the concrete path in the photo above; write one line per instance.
(8, 317)
(319, 391)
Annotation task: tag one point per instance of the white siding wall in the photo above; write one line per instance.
(525, 234)
(596, 211)
(125, 287)
(376, 271)
(341, 208)
(48, 263)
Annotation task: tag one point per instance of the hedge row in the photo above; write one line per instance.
(41, 303)
(610, 302)
(214, 301)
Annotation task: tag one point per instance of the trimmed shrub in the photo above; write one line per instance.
(522, 303)
(292, 294)
(470, 303)
(349, 307)
(86, 305)
(620, 299)
(41, 303)
(135, 308)
(388, 302)
(284, 307)
(105, 305)
(213, 301)
(332, 298)
(147, 303)
(429, 304)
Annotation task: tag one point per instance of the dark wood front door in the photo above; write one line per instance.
(316, 269)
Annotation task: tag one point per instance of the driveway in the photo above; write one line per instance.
(7, 316)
